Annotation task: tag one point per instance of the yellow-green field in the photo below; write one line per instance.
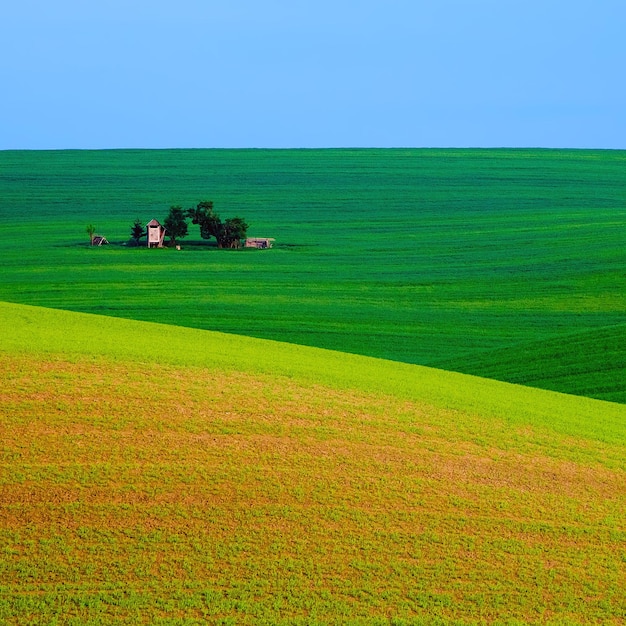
(152, 474)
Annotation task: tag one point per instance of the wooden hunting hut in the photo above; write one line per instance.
(259, 242)
(156, 234)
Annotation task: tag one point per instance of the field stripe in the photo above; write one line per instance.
(35, 329)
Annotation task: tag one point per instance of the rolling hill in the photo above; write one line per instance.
(463, 259)
(162, 474)
(575, 360)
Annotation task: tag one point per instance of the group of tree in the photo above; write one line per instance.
(228, 233)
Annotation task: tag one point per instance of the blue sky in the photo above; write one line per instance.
(318, 73)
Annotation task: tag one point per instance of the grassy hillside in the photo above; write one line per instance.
(575, 360)
(421, 256)
(169, 475)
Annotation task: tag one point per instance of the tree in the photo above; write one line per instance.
(91, 231)
(176, 224)
(228, 234)
(137, 231)
(206, 218)
(232, 232)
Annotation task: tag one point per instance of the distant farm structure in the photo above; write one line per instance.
(230, 233)
(259, 242)
(156, 234)
(98, 240)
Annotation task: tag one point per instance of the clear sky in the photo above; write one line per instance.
(312, 73)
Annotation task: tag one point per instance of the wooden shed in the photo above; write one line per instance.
(259, 242)
(156, 234)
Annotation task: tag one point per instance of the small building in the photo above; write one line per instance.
(156, 234)
(259, 242)
(98, 240)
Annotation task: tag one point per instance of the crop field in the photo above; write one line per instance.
(248, 437)
(501, 263)
(224, 479)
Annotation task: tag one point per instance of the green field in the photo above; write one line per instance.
(165, 475)
(503, 263)
(153, 470)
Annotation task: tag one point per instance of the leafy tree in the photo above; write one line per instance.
(176, 224)
(137, 231)
(206, 218)
(91, 231)
(233, 230)
(228, 234)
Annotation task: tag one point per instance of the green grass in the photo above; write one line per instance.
(37, 330)
(575, 360)
(159, 473)
(153, 474)
(434, 257)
